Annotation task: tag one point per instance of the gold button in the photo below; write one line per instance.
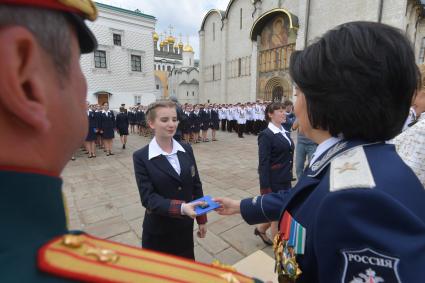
(72, 241)
(179, 188)
(103, 255)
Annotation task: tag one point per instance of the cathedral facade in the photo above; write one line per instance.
(245, 50)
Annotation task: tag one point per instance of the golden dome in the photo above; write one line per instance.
(155, 36)
(162, 43)
(171, 39)
(188, 48)
(180, 44)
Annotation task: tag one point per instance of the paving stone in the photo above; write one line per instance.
(108, 228)
(242, 238)
(96, 214)
(136, 225)
(225, 224)
(203, 256)
(133, 211)
(212, 243)
(229, 256)
(129, 238)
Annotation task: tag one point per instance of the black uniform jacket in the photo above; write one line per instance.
(275, 160)
(162, 190)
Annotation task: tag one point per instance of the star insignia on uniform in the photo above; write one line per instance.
(347, 167)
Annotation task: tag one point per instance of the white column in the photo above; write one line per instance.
(254, 73)
(201, 95)
(223, 98)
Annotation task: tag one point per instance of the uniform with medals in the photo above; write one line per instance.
(357, 191)
(357, 213)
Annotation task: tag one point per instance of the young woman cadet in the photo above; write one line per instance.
(168, 179)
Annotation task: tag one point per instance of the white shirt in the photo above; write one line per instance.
(155, 150)
(324, 146)
(276, 130)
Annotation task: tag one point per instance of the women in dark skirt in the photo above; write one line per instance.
(122, 126)
(107, 126)
(168, 180)
(215, 121)
(195, 122)
(276, 154)
(141, 121)
(205, 115)
(185, 127)
(131, 119)
(93, 129)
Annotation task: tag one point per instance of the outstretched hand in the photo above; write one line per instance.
(189, 208)
(228, 206)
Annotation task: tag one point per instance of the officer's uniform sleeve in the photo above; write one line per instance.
(364, 232)
(150, 198)
(265, 208)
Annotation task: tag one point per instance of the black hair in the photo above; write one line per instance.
(270, 108)
(358, 80)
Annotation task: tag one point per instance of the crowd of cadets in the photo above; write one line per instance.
(195, 122)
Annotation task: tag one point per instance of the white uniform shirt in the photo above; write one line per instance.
(241, 116)
(282, 131)
(155, 150)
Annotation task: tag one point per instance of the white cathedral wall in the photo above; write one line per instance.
(212, 52)
(420, 37)
(239, 46)
(117, 78)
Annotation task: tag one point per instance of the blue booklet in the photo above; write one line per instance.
(208, 205)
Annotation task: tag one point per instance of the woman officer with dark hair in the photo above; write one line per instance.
(358, 210)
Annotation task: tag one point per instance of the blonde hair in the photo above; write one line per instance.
(151, 112)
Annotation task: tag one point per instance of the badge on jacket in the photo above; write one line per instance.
(369, 266)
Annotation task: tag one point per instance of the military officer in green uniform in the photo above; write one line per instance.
(41, 82)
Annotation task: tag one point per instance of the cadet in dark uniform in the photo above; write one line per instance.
(91, 134)
(205, 116)
(195, 122)
(357, 213)
(107, 127)
(215, 122)
(122, 126)
(275, 154)
(40, 45)
(131, 119)
(168, 180)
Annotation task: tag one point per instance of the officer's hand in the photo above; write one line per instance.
(189, 209)
(202, 231)
(228, 206)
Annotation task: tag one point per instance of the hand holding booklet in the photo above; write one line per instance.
(207, 205)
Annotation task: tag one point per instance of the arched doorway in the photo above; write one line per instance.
(277, 89)
(277, 94)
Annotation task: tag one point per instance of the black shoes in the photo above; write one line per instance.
(263, 237)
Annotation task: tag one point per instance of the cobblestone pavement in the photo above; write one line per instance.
(103, 199)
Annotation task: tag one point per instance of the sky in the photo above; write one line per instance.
(184, 15)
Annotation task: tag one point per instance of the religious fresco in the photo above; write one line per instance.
(274, 34)
(277, 42)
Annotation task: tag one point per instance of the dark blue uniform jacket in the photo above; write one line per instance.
(275, 161)
(363, 210)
